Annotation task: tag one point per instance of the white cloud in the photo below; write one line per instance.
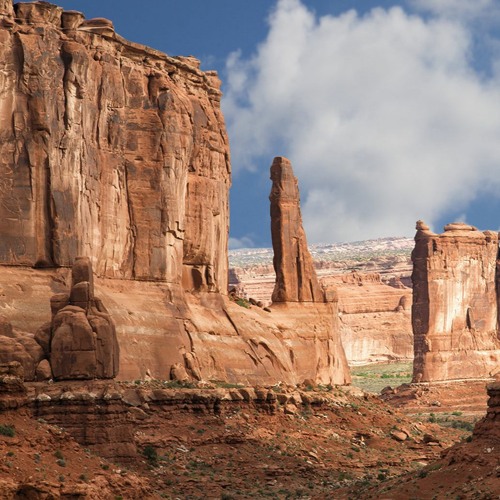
(382, 115)
(456, 8)
(244, 242)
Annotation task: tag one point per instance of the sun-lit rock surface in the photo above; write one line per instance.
(296, 279)
(375, 318)
(119, 152)
(109, 149)
(455, 311)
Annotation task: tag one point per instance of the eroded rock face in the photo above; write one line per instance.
(455, 312)
(296, 279)
(19, 347)
(115, 151)
(108, 149)
(81, 339)
(375, 318)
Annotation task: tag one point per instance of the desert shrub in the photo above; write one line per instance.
(462, 424)
(243, 303)
(7, 430)
(150, 453)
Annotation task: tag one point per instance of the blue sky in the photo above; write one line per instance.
(389, 111)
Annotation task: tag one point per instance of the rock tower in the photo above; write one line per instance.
(455, 303)
(296, 279)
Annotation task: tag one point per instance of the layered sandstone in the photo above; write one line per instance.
(375, 318)
(108, 149)
(296, 279)
(119, 152)
(455, 311)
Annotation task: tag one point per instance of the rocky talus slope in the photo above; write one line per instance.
(102, 439)
(470, 469)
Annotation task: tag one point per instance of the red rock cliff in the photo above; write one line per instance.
(455, 313)
(108, 149)
(296, 279)
(118, 152)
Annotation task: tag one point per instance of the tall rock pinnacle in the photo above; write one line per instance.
(296, 279)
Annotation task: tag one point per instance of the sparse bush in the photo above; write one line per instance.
(462, 424)
(151, 454)
(7, 430)
(243, 303)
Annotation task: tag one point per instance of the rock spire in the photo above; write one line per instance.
(296, 279)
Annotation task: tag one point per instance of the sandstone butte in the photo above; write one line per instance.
(455, 313)
(117, 152)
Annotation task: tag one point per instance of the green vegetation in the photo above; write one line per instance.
(373, 378)
(151, 454)
(178, 384)
(226, 385)
(450, 420)
(7, 430)
(243, 303)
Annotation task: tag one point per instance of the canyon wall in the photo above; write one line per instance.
(374, 318)
(109, 149)
(115, 151)
(455, 310)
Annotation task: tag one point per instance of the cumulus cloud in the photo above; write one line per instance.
(456, 8)
(382, 115)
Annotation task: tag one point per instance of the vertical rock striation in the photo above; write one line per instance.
(455, 311)
(296, 279)
(116, 151)
(108, 149)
